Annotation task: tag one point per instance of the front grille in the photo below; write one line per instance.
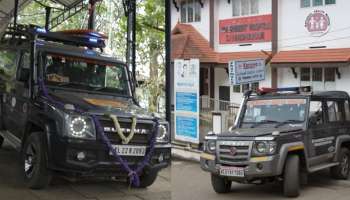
(139, 138)
(241, 151)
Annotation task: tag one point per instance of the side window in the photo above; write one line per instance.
(316, 113)
(347, 110)
(334, 111)
(23, 70)
(8, 62)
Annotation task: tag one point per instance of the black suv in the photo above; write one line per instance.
(282, 135)
(70, 110)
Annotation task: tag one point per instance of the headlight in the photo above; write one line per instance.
(264, 148)
(163, 133)
(80, 127)
(211, 146)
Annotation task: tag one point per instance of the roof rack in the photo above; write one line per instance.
(85, 38)
(285, 90)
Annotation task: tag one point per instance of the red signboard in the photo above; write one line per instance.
(246, 30)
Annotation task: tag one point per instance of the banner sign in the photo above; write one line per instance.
(246, 30)
(186, 88)
(246, 71)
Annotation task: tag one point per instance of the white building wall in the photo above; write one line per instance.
(294, 36)
(202, 27)
(223, 9)
(343, 83)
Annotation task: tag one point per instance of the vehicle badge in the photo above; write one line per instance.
(233, 151)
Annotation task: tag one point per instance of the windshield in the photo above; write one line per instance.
(274, 112)
(86, 74)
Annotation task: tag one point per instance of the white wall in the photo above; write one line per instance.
(292, 32)
(202, 27)
(224, 11)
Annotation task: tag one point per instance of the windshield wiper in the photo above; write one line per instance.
(263, 122)
(294, 121)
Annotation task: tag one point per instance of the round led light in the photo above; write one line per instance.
(162, 132)
(78, 127)
(261, 147)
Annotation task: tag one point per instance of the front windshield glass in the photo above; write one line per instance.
(274, 112)
(86, 74)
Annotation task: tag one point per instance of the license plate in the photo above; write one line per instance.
(232, 171)
(128, 150)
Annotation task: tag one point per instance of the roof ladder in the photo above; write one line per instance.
(66, 14)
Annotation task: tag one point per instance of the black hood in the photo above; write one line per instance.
(96, 104)
(255, 132)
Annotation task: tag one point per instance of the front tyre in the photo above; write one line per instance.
(291, 176)
(148, 178)
(220, 184)
(341, 171)
(34, 162)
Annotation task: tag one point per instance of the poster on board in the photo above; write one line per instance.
(186, 88)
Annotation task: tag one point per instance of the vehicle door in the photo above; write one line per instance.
(336, 124)
(21, 94)
(8, 64)
(317, 134)
(347, 116)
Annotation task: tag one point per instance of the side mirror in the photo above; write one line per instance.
(23, 75)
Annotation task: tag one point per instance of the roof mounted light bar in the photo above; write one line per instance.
(85, 38)
(297, 90)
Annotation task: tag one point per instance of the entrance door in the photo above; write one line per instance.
(224, 97)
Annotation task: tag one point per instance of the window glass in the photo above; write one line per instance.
(236, 5)
(255, 86)
(317, 74)
(333, 111)
(330, 2)
(316, 113)
(317, 2)
(254, 6)
(274, 111)
(237, 88)
(8, 62)
(183, 11)
(245, 87)
(190, 11)
(197, 11)
(24, 65)
(305, 3)
(85, 74)
(245, 7)
(329, 74)
(347, 110)
(305, 74)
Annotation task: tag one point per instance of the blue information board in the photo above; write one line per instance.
(186, 101)
(186, 126)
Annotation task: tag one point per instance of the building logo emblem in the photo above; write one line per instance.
(317, 23)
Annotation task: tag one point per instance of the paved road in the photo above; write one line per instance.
(11, 187)
(190, 182)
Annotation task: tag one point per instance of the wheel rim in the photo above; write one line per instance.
(30, 160)
(345, 165)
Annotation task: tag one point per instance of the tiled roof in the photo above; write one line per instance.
(227, 57)
(312, 56)
(187, 42)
